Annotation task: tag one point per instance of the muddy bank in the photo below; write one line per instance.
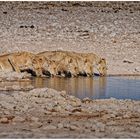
(110, 29)
(47, 113)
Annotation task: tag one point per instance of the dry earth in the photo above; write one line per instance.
(110, 29)
(47, 113)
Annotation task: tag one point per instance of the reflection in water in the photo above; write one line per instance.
(80, 87)
(95, 88)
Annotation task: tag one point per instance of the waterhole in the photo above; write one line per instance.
(94, 88)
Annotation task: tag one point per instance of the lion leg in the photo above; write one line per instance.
(11, 61)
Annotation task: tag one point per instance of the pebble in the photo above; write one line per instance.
(35, 119)
(4, 120)
(75, 104)
(66, 125)
(50, 127)
(16, 87)
(87, 100)
(126, 116)
(127, 61)
(94, 127)
(6, 112)
(60, 125)
(73, 127)
(36, 125)
(18, 119)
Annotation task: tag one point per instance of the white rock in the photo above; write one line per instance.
(50, 127)
(60, 125)
(4, 120)
(35, 119)
(18, 119)
(73, 127)
(36, 124)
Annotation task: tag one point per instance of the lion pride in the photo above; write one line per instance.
(63, 63)
(77, 63)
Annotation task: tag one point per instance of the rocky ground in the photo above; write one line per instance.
(47, 113)
(110, 29)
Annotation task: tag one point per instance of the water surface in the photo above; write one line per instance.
(95, 87)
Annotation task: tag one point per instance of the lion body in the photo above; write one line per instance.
(76, 63)
(55, 63)
(5, 64)
(22, 61)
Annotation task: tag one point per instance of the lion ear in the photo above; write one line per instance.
(103, 58)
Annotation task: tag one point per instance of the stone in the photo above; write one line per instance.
(18, 119)
(87, 100)
(76, 110)
(60, 125)
(73, 127)
(25, 107)
(94, 127)
(36, 125)
(137, 69)
(4, 120)
(35, 119)
(66, 125)
(50, 127)
(126, 116)
(16, 87)
(6, 112)
(75, 104)
(127, 61)
(7, 105)
(100, 126)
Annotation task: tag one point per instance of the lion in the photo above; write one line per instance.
(39, 63)
(86, 62)
(61, 63)
(50, 68)
(21, 60)
(95, 61)
(102, 67)
(58, 68)
(26, 61)
(76, 63)
(53, 55)
(56, 55)
(68, 67)
(71, 65)
(5, 64)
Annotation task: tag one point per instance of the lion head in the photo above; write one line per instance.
(102, 67)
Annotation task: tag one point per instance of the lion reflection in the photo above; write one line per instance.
(80, 87)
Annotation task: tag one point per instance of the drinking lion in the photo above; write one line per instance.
(76, 63)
